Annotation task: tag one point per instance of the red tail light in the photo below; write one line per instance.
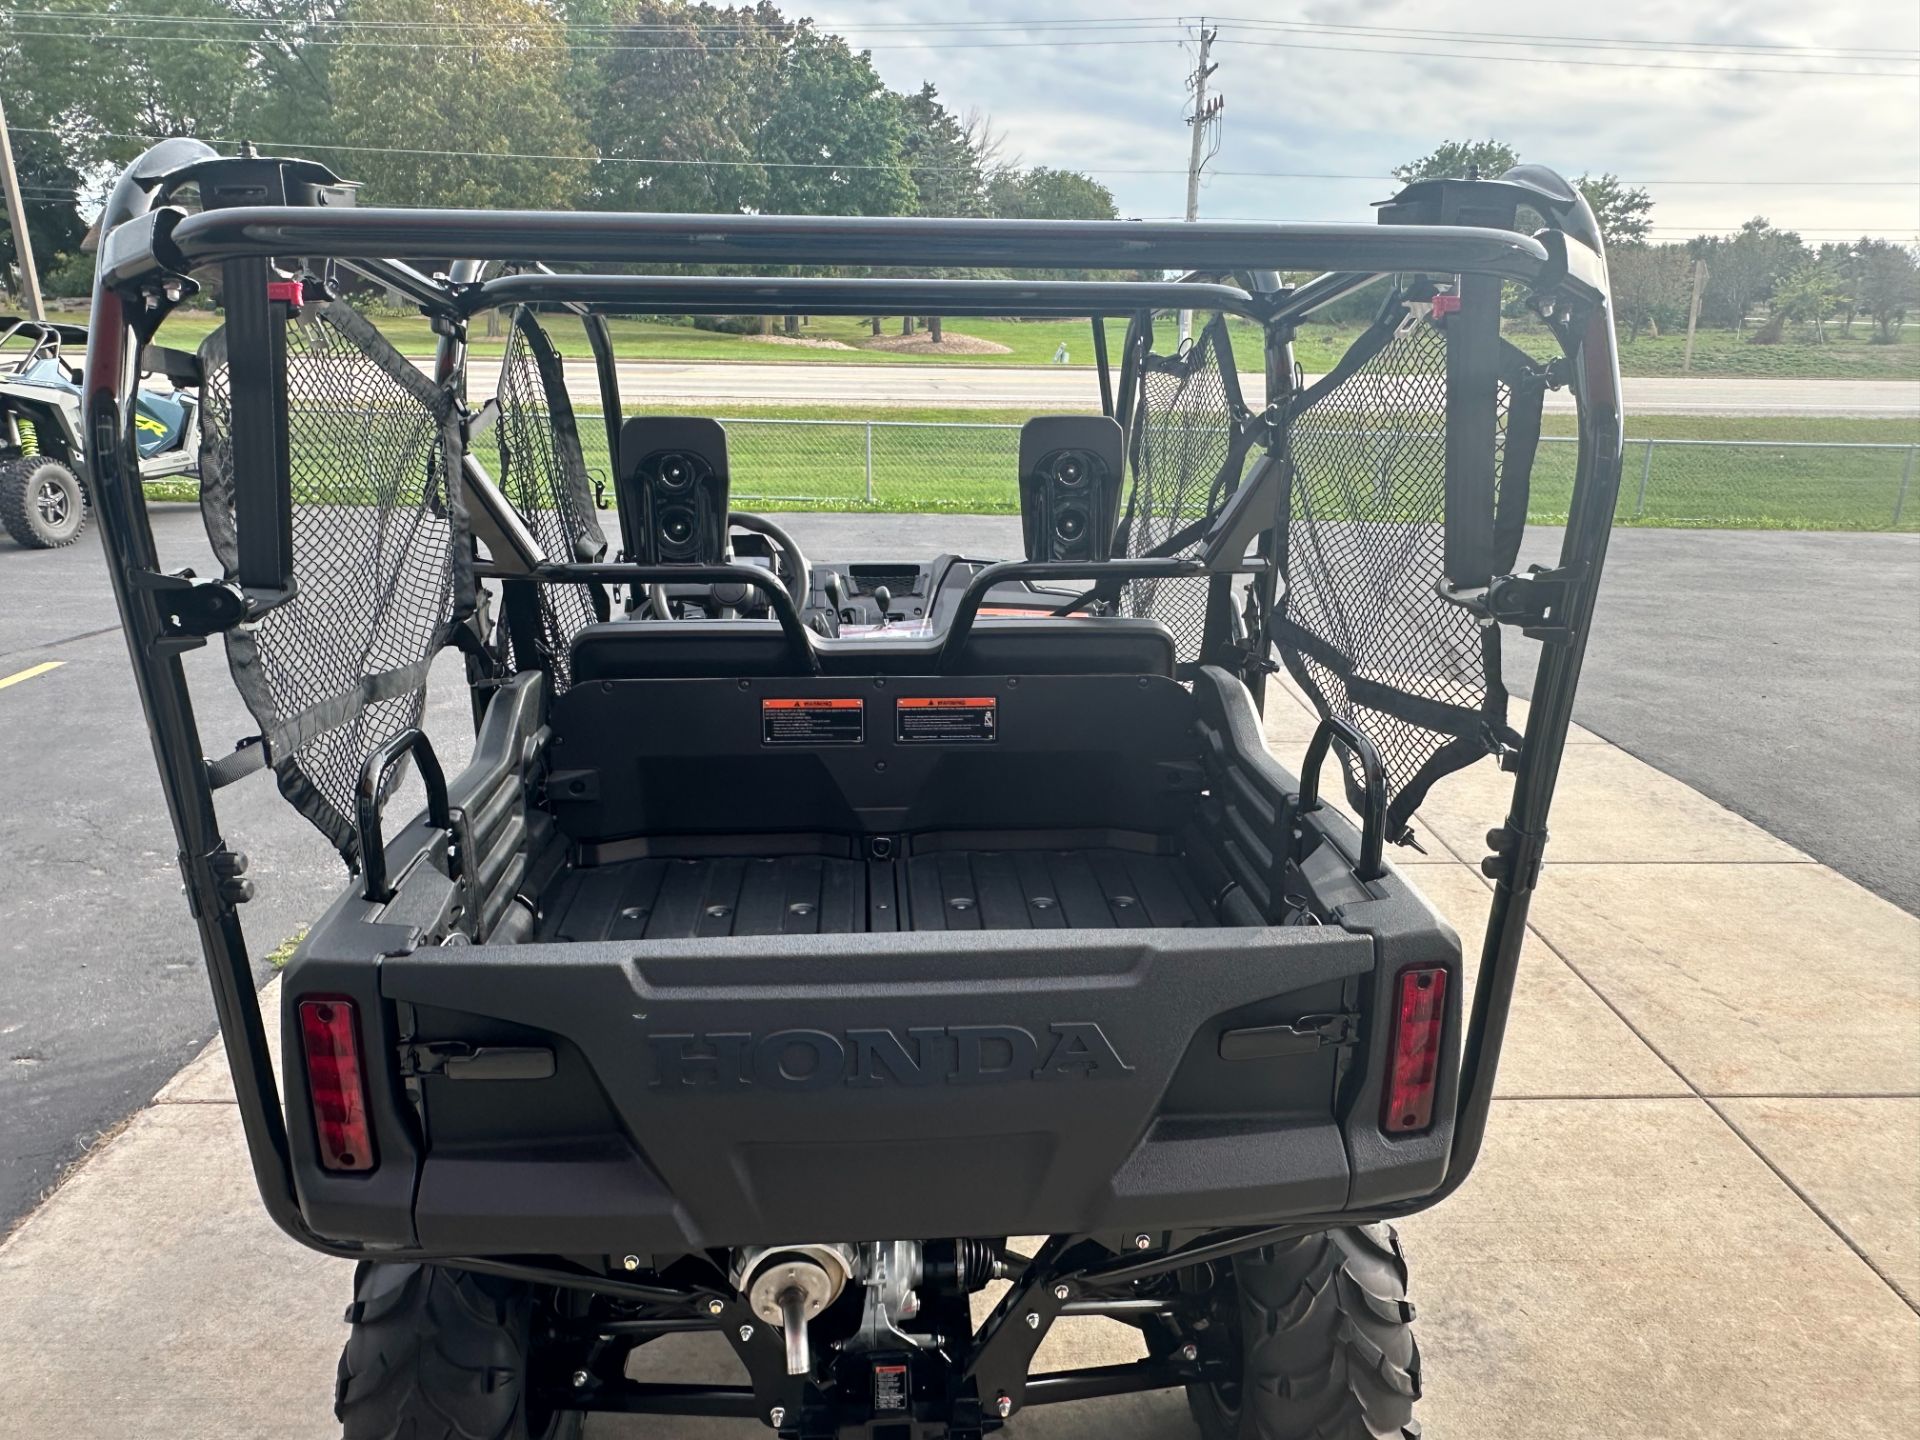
(330, 1033)
(1414, 1065)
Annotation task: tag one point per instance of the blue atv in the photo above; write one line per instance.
(43, 494)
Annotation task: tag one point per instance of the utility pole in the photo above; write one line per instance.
(17, 218)
(1693, 310)
(1205, 123)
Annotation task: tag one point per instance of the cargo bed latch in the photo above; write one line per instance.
(457, 1060)
(1301, 1037)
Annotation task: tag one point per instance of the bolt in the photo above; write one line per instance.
(746, 1332)
(777, 1416)
(631, 1262)
(1143, 1242)
(1033, 1320)
(1060, 1292)
(715, 1307)
(1189, 1352)
(1002, 1406)
(580, 1379)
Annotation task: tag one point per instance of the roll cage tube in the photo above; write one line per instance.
(210, 870)
(143, 262)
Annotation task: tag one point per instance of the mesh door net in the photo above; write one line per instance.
(1190, 435)
(542, 471)
(1360, 623)
(380, 554)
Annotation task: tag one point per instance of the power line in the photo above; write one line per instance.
(1580, 42)
(1565, 60)
(701, 50)
(1380, 179)
(1141, 22)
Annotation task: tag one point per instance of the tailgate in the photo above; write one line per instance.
(722, 1091)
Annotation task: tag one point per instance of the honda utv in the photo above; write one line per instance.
(43, 493)
(869, 960)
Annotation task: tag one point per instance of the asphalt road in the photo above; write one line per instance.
(1778, 673)
(105, 994)
(983, 387)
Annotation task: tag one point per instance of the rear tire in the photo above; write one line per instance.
(443, 1355)
(43, 505)
(1326, 1343)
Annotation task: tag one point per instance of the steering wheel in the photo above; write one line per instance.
(799, 574)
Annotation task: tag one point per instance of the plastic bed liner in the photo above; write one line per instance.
(948, 889)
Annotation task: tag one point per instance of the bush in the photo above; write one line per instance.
(68, 277)
(729, 324)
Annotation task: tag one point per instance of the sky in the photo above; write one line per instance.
(1307, 102)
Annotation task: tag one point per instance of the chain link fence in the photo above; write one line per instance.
(926, 467)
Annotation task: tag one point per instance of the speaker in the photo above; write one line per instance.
(673, 490)
(1071, 467)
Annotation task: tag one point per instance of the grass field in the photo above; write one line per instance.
(1716, 352)
(1762, 472)
(1731, 471)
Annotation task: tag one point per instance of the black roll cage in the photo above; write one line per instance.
(258, 209)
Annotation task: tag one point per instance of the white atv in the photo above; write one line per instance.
(43, 493)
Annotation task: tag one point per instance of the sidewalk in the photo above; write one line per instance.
(1698, 1212)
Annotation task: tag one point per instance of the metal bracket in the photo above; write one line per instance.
(1539, 602)
(226, 881)
(1517, 856)
(194, 605)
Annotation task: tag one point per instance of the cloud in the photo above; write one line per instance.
(1114, 108)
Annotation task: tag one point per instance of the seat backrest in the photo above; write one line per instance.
(746, 649)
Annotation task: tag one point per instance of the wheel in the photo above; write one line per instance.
(42, 502)
(1325, 1340)
(444, 1355)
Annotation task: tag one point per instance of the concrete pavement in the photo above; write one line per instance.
(1717, 656)
(1695, 1216)
(979, 387)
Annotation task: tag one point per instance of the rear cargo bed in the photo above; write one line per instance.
(948, 889)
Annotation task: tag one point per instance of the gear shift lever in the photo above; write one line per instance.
(883, 597)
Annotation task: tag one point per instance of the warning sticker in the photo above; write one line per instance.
(889, 1389)
(946, 719)
(813, 722)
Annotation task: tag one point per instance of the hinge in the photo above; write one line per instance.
(193, 607)
(1539, 602)
(1304, 1036)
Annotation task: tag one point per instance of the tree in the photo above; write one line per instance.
(1652, 286)
(1460, 160)
(49, 190)
(947, 172)
(1805, 296)
(111, 86)
(1045, 194)
(501, 93)
(1625, 212)
(681, 84)
(1889, 283)
(1743, 268)
(833, 139)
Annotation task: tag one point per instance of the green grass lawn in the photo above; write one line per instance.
(1784, 472)
(1034, 342)
(922, 464)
